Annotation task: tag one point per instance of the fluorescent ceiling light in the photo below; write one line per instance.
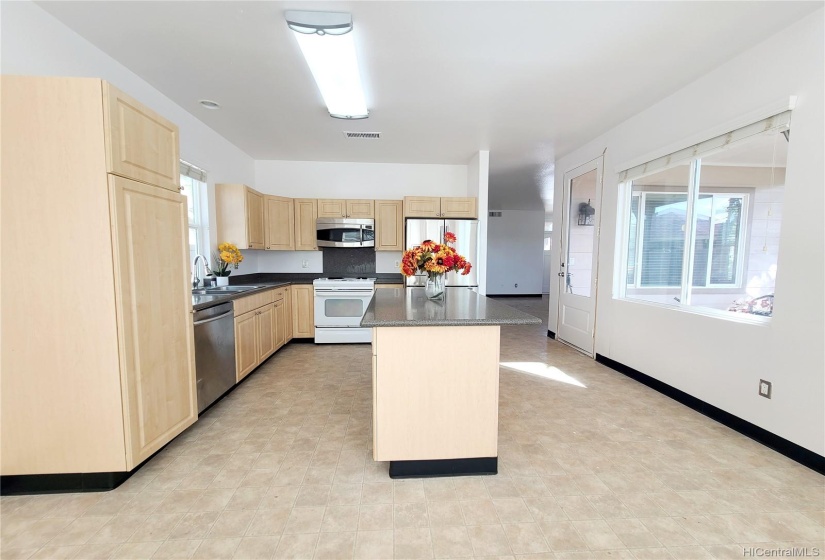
(331, 59)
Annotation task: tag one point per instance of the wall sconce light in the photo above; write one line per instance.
(586, 213)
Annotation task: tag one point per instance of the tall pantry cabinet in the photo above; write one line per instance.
(98, 367)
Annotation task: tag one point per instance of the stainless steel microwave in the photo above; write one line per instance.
(345, 232)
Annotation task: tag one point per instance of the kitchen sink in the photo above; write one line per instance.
(222, 290)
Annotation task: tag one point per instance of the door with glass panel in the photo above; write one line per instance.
(579, 256)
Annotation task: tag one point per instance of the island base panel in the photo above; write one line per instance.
(435, 393)
(444, 467)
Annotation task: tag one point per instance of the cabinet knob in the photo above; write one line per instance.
(268, 247)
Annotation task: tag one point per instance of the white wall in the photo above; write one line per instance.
(329, 179)
(35, 43)
(478, 176)
(715, 360)
(516, 241)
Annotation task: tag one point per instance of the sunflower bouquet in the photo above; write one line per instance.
(435, 258)
(227, 254)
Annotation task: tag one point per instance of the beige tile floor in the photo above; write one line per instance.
(282, 468)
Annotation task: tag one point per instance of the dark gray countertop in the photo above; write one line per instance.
(268, 281)
(204, 302)
(460, 307)
(308, 277)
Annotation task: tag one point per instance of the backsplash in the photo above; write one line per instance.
(283, 262)
(341, 262)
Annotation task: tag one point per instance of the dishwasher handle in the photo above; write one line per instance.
(213, 318)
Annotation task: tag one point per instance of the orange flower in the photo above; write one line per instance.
(449, 237)
(428, 245)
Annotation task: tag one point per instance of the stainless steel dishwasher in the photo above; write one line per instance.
(214, 352)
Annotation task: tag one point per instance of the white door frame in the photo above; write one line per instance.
(581, 337)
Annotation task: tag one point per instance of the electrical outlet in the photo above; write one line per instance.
(304, 264)
(764, 388)
(397, 264)
(516, 285)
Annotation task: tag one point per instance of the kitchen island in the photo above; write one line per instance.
(435, 380)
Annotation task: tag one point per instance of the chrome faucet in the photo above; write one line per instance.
(195, 279)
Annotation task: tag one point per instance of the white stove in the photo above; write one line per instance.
(340, 304)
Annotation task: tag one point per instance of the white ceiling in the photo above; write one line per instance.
(528, 81)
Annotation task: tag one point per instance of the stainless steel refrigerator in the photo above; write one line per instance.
(466, 231)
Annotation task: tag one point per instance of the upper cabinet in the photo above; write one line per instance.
(306, 213)
(443, 207)
(389, 222)
(140, 144)
(240, 216)
(459, 207)
(280, 223)
(341, 208)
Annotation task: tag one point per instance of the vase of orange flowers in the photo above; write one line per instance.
(436, 260)
(227, 255)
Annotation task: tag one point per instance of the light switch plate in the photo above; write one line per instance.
(765, 388)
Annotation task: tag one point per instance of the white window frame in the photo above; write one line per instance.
(200, 202)
(744, 222)
(687, 155)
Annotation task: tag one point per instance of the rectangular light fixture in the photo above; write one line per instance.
(332, 61)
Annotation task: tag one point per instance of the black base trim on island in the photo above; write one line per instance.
(444, 467)
(551, 334)
(779, 444)
(12, 485)
(513, 295)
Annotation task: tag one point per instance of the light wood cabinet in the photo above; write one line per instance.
(332, 208)
(280, 223)
(68, 405)
(246, 344)
(389, 225)
(267, 332)
(422, 207)
(444, 207)
(151, 250)
(287, 314)
(388, 286)
(240, 212)
(360, 209)
(343, 208)
(303, 311)
(459, 207)
(255, 219)
(257, 332)
(279, 308)
(140, 144)
(306, 213)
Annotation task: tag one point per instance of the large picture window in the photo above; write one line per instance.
(704, 232)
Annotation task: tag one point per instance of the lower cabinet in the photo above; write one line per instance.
(279, 312)
(255, 339)
(303, 311)
(264, 324)
(287, 314)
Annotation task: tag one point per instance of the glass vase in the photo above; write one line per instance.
(435, 286)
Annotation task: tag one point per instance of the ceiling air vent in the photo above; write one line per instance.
(365, 135)
(495, 213)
